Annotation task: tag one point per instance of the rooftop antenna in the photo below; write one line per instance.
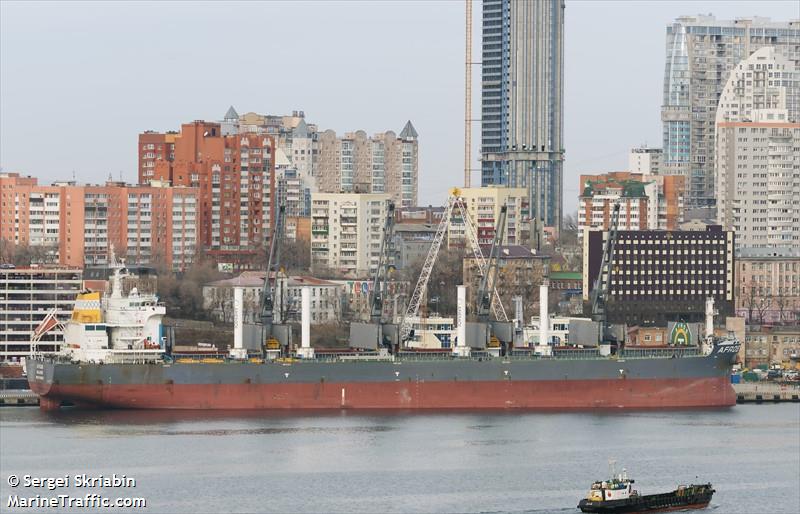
(73, 175)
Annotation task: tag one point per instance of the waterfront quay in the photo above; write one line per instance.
(758, 392)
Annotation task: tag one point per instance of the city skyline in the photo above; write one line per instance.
(91, 83)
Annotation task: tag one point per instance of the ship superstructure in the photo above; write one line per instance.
(117, 328)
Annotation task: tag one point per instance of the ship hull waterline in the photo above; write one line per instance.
(530, 395)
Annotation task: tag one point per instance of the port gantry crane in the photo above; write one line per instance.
(454, 202)
(602, 282)
(267, 303)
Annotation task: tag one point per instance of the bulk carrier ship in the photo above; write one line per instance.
(114, 357)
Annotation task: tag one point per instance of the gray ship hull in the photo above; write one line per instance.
(419, 382)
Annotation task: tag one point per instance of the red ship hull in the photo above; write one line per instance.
(440, 395)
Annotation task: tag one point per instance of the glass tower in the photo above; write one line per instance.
(522, 99)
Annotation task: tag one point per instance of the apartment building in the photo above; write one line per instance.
(768, 283)
(384, 163)
(156, 152)
(644, 160)
(27, 295)
(701, 51)
(295, 155)
(647, 202)
(346, 232)
(418, 214)
(234, 174)
(483, 206)
(767, 344)
(758, 152)
(78, 224)
(412, 241)
(291, 190)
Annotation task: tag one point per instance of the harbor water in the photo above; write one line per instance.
(208, 462)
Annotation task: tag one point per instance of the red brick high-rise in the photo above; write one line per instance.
(235, 177)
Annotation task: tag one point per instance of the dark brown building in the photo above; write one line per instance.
(661, 276)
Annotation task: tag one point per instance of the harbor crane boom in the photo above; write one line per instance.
(601, 284)
(472, 234)
(454, 202)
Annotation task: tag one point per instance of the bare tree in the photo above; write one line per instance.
(447, 273)
(757, 303)
(184, 295)
(6, 251)
(568, 235)
(783, 304)
(296, 256)
(222, 301)
(26, 255)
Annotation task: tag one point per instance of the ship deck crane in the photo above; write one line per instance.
(267, 303)
(454, 202)
(377, 332)
(601, 285)
(489, 278)
(380, 277)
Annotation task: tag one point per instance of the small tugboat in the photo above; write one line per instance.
(618, 495)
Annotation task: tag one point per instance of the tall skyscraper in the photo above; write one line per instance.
(701, 52)
(758, 152)
(522, 99)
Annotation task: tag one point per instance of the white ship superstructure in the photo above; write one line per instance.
(117, 328)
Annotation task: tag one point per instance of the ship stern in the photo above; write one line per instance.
(40, 380)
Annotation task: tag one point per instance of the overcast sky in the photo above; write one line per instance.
(79, 81)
